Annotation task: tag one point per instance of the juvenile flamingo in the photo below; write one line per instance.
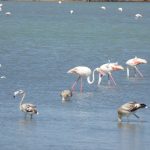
(27, 108)
(107, 69)
(81, 71)
(66, 95)
(133, 63)
(128, 109)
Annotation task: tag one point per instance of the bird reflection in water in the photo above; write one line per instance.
(131, 137)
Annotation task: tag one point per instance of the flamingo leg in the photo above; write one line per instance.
(100, 78)
(128, 72)
(81, 86)
(135, 72)
(138, 71)
(136, 116)
(25, 116)
(74, 84)
(112, 79)
(108, 79)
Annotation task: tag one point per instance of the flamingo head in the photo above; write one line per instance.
(72, 71)
(19, 93)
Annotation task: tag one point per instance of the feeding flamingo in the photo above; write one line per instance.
(128, 109)
(106, 69)
(81, 71)
(132, 63)
(27, 108)
(138, 16)
(66, 95)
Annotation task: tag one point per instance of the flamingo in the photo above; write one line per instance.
(66, 95)
(27, 108)
(71, 11)
(132, 63)
(129, 108)
(103, 7)
(120, 9)
(8, 13)
(59, 2)
(106, 69)
(81, 71)
(138, 16)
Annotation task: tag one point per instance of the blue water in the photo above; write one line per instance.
(39, 43)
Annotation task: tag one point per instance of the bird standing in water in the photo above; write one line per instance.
(66, 95)
(27, 108)
(133, 63)
(128, 109)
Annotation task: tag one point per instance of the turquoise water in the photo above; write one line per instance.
(39, 43)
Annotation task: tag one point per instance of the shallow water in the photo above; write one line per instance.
(39, 43)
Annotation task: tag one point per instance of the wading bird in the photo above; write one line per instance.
(120, 9)
(133, 63)
(138, 16)
(27, 108)
(128, 109)
(107, 69)
(81, 71)
(66, 95)
(103, 7)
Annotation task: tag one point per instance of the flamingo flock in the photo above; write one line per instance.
(104, 70)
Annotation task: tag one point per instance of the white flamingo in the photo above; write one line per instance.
(128, 109)
(59, 2)
(81, 71)
(120, 9)
(8, 13)
(133, 63)
(103, 7)
(138, 16)
(107, 69)
(27, 108)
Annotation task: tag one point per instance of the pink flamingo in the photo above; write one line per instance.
(132, 63)
(107, 69)
(82, 71)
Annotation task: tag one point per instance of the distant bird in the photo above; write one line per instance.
(8, 13)
(59, 2)
(103, 7)
(120, 9)
(1, 4)
(81, 71)
(138, 16)
(71, 11)
(66, 95)
(133, 63)
(128, 109)
(3, 77)
(27, 108)
(107, 69)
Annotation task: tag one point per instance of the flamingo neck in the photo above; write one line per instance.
(93, 77)
(23, 96)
